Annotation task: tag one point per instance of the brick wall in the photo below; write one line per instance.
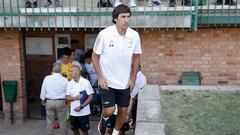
(213, 52)
(12, 68)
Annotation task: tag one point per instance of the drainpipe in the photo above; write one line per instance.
(195, 16)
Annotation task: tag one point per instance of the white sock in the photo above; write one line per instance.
(115, 132)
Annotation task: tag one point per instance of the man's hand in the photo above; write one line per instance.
(102, 83)
(77, 109)
(128, 116)
(78, 97)
(132, 83)
(44, 102)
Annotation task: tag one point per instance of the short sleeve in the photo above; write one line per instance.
(89, 88)
(68, 91)
(137, 47)
(98, 46)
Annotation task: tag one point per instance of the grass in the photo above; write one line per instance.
(201, 112)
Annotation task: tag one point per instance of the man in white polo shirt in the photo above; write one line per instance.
(53, 96)
(80, 94)
(116, 56)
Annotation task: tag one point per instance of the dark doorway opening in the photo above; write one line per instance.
(1, 101)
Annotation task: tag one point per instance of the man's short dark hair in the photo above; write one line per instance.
(67, 51)
(73, 41)
(88, 54)
(118, 10)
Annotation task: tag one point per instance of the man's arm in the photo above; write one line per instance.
(70, 98)
(43, 92)
(135, 64)
(88, 101)
(101, 81)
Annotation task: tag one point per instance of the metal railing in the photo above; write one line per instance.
(95, 14)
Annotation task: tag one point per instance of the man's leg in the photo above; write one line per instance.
(61, 114)
(76, 132)
(50, 116)
(108, 102)
(84, 124)
(120, 119)
(117, 2)
(122, 100)
(75, 124)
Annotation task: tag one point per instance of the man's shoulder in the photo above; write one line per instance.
(107, 30)
(84, 80)
(132, 32)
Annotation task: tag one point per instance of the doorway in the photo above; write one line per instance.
(39, 54)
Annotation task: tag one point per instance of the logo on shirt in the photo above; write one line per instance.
(111, 43)
(131, 41)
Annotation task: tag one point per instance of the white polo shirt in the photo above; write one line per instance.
(73, 89)
(54, 87)
(116, 55)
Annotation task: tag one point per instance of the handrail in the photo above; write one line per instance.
(85, 14)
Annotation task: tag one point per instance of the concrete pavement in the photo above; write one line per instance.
(38, 127)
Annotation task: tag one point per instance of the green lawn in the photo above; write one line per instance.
(201, 112)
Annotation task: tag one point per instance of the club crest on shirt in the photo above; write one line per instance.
(130, 45)
(130, 41)
(111, 43)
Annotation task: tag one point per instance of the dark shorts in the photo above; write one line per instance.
(111, 121)
(112, 96)
(80, 122)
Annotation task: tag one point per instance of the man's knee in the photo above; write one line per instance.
(122, 110)
(107, 112)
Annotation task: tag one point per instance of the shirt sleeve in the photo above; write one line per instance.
(99, 46)
(68, 91)
(43, 90)
(135, 90)
(89, 89)
(137, 47)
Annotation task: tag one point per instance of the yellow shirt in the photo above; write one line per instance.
(65, 70)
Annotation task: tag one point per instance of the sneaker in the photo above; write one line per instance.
(149, 4)
(230, 2)
(56, 126)
(156, 2)
(102, 126)
(28, 4)
(117, 2)
(172, 4)
(104, 3)
(132, 4)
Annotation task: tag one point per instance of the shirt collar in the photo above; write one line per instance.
(54, 73)
(116, 34)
